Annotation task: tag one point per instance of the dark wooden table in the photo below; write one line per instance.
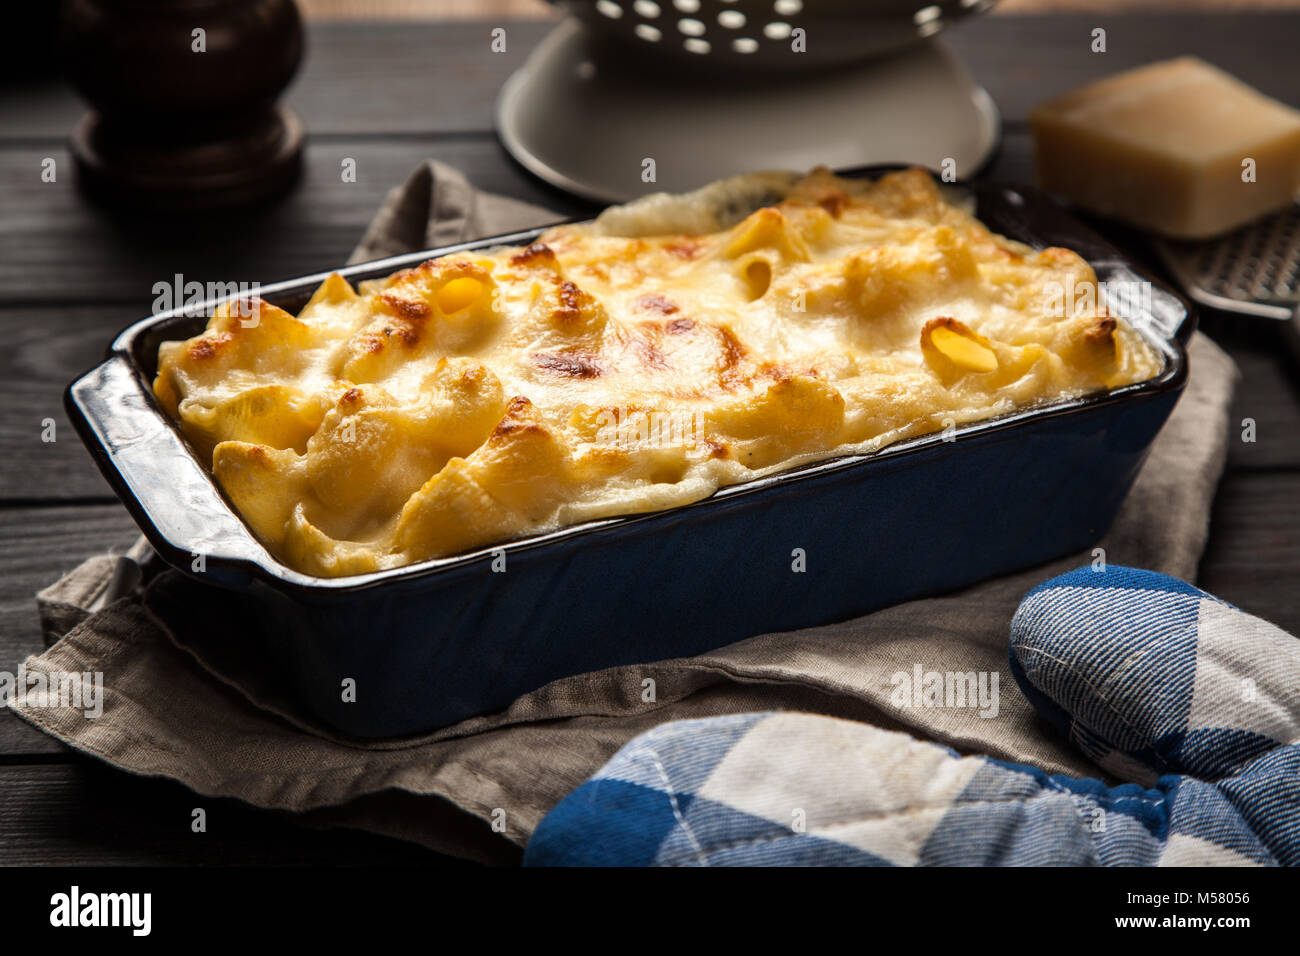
(388, 96)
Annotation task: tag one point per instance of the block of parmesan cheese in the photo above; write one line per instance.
(1177, 147)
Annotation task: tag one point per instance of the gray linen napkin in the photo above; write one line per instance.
(196, 701)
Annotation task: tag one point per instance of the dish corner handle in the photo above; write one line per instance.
(172, 498)
(1172, 316)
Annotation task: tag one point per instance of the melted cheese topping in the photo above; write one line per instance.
(629, 365)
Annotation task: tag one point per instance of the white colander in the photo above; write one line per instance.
(627, 97)
(764, 34)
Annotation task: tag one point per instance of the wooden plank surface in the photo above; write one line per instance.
(385, 79)
(1254, 549)
(380, 79)
(388, 96)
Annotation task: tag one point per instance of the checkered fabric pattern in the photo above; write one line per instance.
(1194, 702)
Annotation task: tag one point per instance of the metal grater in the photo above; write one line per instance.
(1253, 271)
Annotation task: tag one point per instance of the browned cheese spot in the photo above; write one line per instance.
(413, 309)
(1103, 331)
(570, 309)
(516, 420)
(207, 346)
(648, 352)
(537, 252)
(729, 361)
(572, 364)
(684, 248)
(833, 201)
(653, 302)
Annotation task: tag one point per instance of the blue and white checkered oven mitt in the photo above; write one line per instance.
(1193, 701)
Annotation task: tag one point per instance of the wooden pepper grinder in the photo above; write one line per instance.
(183, 95)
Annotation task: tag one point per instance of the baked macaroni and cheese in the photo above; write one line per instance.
(671, 347)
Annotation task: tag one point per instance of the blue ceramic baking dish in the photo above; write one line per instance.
(433, 643)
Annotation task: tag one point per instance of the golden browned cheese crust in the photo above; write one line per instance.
(630, 365)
